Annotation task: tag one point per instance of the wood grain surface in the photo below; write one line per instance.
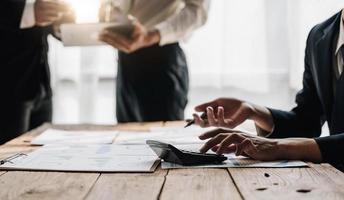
(285, 183)
(319, 181)
(199, 184)
(128, 186)
(46, 185)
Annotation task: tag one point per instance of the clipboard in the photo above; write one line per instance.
(11, 158)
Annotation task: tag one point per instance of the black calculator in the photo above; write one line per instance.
(169, 153)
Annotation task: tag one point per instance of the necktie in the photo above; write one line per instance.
(340, 65)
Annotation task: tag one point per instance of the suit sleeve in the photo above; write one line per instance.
(11, 12)
(332, 148)
(305, 120)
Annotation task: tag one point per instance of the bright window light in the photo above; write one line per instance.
(86, 11)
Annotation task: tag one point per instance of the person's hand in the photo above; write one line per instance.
(228, 141)
(223, 112)
(67, 17)
(49, 11)
(230, 112)
(139, 38)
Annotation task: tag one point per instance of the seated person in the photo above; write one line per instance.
(321, 99)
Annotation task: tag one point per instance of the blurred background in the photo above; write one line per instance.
(248, 49)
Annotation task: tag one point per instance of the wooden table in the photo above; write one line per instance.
(316, 182)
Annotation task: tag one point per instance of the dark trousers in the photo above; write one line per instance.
(152, 84)
(18, 118)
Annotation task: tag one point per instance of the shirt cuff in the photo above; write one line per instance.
(331, 148)
(28, 17)
(167, 35)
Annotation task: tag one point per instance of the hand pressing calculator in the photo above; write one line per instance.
(169, 153)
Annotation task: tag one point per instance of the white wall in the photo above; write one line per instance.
(246, 45)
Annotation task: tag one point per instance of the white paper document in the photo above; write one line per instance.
(234, 161)
(170, 135)
(88, 34)
(54, 136)
(178, 135)
(87, 158)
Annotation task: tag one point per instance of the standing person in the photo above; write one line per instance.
(321, 99)
(25, 81)
(152, 78)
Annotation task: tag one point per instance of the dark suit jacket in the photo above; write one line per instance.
(316, 102)
(24, 72)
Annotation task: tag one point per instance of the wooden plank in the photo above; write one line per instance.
(332, 173)
(128, 186)
(199, 184)
(46, 185)
(288, 183)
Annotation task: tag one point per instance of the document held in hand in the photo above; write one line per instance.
(88, 34)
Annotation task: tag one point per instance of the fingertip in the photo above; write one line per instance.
(218, 152)
(206, 135)
(240, 148)
(202, 150)
(237, 153)
(210, 112)
(203, 137)
(220, 109)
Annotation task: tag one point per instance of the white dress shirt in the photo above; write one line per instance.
(340, 43)
(28, 17)
(174, 19)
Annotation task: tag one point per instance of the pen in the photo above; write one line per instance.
(193, 121)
